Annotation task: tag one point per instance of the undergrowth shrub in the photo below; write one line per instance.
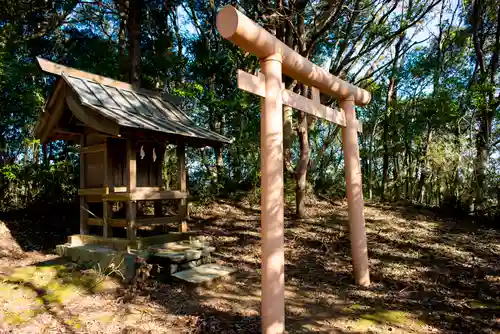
(22, 186)
(40, 203)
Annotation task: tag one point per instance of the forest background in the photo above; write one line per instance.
(430, 135)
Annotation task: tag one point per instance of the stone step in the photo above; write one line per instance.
(204, 273)
(180, 252)
(182, 256)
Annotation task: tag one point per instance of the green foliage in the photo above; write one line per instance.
(432, 121)
(25, 185)
(21, 101)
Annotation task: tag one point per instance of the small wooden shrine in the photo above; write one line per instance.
(123, 133)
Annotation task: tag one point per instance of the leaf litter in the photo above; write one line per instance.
(430, 274)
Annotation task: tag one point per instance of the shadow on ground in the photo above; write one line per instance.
(429, 272)
(40, 227)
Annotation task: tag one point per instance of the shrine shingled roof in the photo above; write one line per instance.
(129, 107)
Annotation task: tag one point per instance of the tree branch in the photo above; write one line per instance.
(323, 25)
(394, 34)
(496, 51)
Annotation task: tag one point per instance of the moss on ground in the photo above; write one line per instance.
(28, 291)
(388, 318)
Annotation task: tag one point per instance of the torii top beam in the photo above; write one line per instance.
(239, 29)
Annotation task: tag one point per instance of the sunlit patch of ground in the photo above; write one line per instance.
(34, 290)
(429, 275)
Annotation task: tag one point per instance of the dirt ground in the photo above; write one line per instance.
(430, 275)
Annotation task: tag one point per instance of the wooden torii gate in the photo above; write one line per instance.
(277, 58)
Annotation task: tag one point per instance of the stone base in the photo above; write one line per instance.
(100, 258)
(188, 260)
(178, 256)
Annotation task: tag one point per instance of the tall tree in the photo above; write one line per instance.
(484, 22)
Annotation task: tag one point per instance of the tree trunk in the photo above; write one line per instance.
(408, 183)
(122, 37)
(423, 164)
(219, 163)
(50, 155)
(301, 172)
(287, 35)
(482, 141)
(370, 174)
(457, 181)
(372, 161)
(406, 158)
(36, 153)
(323, 159)
(287, 136)
(391, 97)
(438, 189)
(365, 163)
(178, 38)
(396, 175)
(45, 155)
(134, 41)
(385, 161)
(26, 153)
(485, 114)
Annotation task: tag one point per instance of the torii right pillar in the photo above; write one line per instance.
(354, 185)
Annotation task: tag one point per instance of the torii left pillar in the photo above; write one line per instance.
(272, 200)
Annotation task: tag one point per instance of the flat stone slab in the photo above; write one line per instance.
(204, 273)
(180, 252)
(175, 257)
